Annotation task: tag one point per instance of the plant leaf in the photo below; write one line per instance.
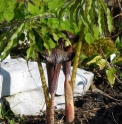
(117, 60)
(72, 9)
(64, 7)
(109, 20)
(12, 41)
(101, 63)
(96, 32)
(101, 21)
(91, 60)
(31, 49)
(89, 38)
(111, 75)
(8, 14)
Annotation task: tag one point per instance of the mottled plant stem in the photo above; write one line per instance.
(44, 85)
(76, 59)
(50, 111)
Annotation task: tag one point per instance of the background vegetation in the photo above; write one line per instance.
(36, 22)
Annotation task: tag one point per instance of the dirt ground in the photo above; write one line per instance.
(92, 108)
(102, 104)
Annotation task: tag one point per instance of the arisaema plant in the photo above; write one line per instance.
(45, 26)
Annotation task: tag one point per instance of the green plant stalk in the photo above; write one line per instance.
(50, 114)
(44, 85)
(76, 59)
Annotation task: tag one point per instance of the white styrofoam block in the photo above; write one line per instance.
(84, 79)
(24, 90)
(83, 82)
(31, 103)
(15, 77)
(27, 103)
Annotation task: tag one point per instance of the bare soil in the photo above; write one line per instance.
(104, 107)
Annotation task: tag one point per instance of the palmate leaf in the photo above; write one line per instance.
(44, 34)
(72, 9)
(117, 61)
(109, 20)
(48, 43)
(34, 9)
(4, 37)
(58, 4)
(111, 75)
(78, 11)
(96, 32)
(91, 14)
(12, 41)
(64, 7)
(103, 5)
(4, 40)
(89, 38)
(101, 63)
(8, 11)
(118, 43)
(106, 10)
(31, 49)
(101, 22)
(92, 59)
(8, 14)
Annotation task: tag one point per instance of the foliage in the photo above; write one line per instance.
(9, 116)
(39, 21)
(96, 46)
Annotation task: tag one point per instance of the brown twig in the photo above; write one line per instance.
(96, 90)
(117, 34)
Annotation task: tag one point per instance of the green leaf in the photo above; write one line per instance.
(78, 11)
(12, 3)
(3, 41)
(12, 122)
(3, 4)
(101, 23)
(96, 32)
(72, 9)
(82, 57)
(111, 75)
(8, 14)
(92, 59)
(89, 38)
(53, 7)
(1, 17)
(31, 49)
(65, 25)
(109, 20)
(117, 61)
(84, 19)
(95, 59)
(90, 14)
(103, 5)
(64, 7)
(118, 43)
(101, 63)
(55, 36)
(12, 41)
(33, 9)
